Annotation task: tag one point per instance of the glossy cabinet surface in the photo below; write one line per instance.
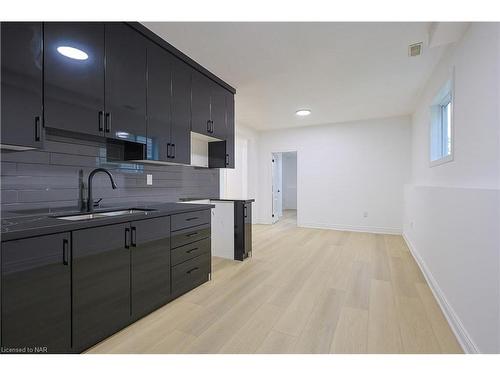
(74, 85)
(242, 230)
(101, 283)
(159, 103)
(181, 113)
(200, 104)
(21, 86)
(218, 110)
(230, 148)
(150, 265)
(125, 83)
(36, 294)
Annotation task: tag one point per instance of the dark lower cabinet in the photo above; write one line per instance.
(63, 293)
(101, 283)
(150, 265)
(21, 86)
(242, 229)
(36, 295)
(74, 76)
(191, 273)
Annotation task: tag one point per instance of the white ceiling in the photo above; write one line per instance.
(341, 71)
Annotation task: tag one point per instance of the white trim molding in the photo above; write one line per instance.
(463, 337)
(350, 228)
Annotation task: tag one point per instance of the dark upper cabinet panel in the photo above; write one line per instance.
(181, 113)
(150, 267)
(36, 293)
(230, 151)
(101, 283)
(125, 86)
(21, 88)
(218, 110)
(159, 103)
(200, 104)
(74, 76)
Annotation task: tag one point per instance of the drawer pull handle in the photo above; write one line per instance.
(191, 218)
(191, 234)
(192, 270)
(190, 251)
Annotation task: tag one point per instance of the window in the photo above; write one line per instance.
(441, 142)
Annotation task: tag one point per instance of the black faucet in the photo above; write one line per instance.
(90, 199)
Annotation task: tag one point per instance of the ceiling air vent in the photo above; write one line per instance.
(415, 49)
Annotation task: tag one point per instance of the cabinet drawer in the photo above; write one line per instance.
(191, 273)
(190, 235)
(189, 251)
(190, 219)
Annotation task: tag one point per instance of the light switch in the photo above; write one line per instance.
(149, 179)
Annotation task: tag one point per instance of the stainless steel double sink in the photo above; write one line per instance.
(100, 215)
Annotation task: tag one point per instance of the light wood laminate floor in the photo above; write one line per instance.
(303, 291)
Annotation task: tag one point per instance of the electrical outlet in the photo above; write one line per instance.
(365, 214)
(149, 179)
(412, 224)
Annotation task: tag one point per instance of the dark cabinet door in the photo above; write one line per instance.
(125, 84)
(159, 103)
(242, 230)
(247, 219)
(217, 154)
(101, 283)
(36, 294)
(200, 104)
(150, 241)
(181, 113)
(230, 130)
(218, 110)
(74, 76)
(21, 84)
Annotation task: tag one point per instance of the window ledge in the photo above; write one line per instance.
(446, 159)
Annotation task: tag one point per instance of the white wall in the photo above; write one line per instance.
(343, 171)
(289, 181)
(452, 210)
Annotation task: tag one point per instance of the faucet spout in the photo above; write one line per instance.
(90, 199)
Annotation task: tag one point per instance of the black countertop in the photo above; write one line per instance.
(16, 226)
(217, 199)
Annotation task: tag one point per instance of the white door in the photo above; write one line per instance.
(277, 209)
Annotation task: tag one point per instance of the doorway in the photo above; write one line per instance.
(284, 186)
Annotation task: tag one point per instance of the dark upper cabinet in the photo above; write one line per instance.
(208, 107)
(230, 151)
(21, 87)
(125, 83)
(200, 104)
(218, 110)
(169, 107)
(221, 154)
(36, 293)
(74, 76)
(181, 113)
(159, 103)
(150, 265)
(101, 283)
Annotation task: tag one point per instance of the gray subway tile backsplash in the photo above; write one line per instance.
(39, 179)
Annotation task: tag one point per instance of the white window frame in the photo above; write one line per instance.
(445, 95)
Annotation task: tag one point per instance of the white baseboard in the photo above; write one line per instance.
(451, 316)
(350, 228)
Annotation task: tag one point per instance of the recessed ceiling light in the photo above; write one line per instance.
(303, 112)
(72, 53)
